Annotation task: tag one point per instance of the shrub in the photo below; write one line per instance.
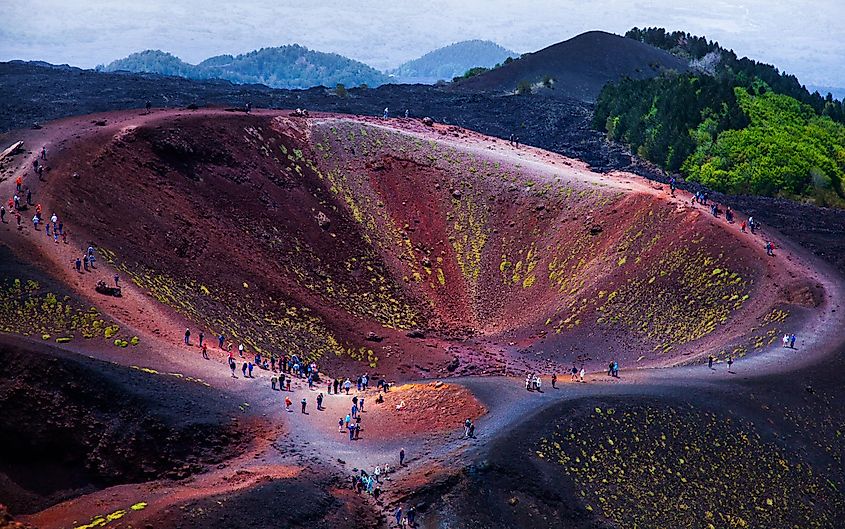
(340, 90)
(523, 88)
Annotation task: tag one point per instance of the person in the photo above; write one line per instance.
(730, 363)
(319, 402)
(351, 428)
(729, 215)
(19, 183)
(386, 112)
(287, 382)
(202, 337)
(273, 381)
(304, 403)
(232, 366)
(29, 202)
(358, 429)
(248, 107)
(288, 404)
(401, 457)
(187, 336)
(220, 340)
(243, 369)
(792, 341)
(347, 386)
(412, 516)
(742, 227)
(78, 265)
(148, 105)
(205, 351)
(538, 383)
(398, 515)
(361, 404)
(467, 424)
(406, 113)
(616, 369)
(510, 140)
(250, 365)
(710, 361)
(769, 251)
(582, 373)
(528, 382)
(516, 141)
(117, 281)
(35, 221)
(354, 411)
(336, 385)
(3, 214)
(340, 424)
(554, 380)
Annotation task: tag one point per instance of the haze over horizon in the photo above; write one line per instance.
(808, 42)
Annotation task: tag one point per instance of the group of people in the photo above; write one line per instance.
(533, 382)
(729, 361)
(407, 518)
(788, 340)
(613, 369)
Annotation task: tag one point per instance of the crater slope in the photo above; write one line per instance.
(405, 247)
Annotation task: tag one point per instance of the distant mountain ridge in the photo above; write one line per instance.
(578, 67)
(290, 66)
(451, 61)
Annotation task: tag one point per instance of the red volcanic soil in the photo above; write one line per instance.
(390, 247)
(411, 409)
(333, 238)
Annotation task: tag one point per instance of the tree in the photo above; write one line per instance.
(340, 90)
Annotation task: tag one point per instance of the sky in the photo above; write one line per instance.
(806, 38)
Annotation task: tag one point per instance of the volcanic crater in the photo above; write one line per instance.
(404, 249)
(336, 236)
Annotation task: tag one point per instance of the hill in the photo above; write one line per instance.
(290, 66)
(452, 60)
(578, 67)
(737, 125)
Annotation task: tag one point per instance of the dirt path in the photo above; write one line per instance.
(314, 437)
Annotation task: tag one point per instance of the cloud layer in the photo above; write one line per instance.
(808, 40)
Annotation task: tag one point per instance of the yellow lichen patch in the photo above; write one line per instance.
(686, 302)
(648, 466)
(28, 310)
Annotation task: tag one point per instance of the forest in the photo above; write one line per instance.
(735, 125)
(290, 66)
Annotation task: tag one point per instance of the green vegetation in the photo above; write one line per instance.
(649, 466)
(472, 72)
(340, 90)
(523, 88)
(786, 148)
(709, 56)
(735, 125)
